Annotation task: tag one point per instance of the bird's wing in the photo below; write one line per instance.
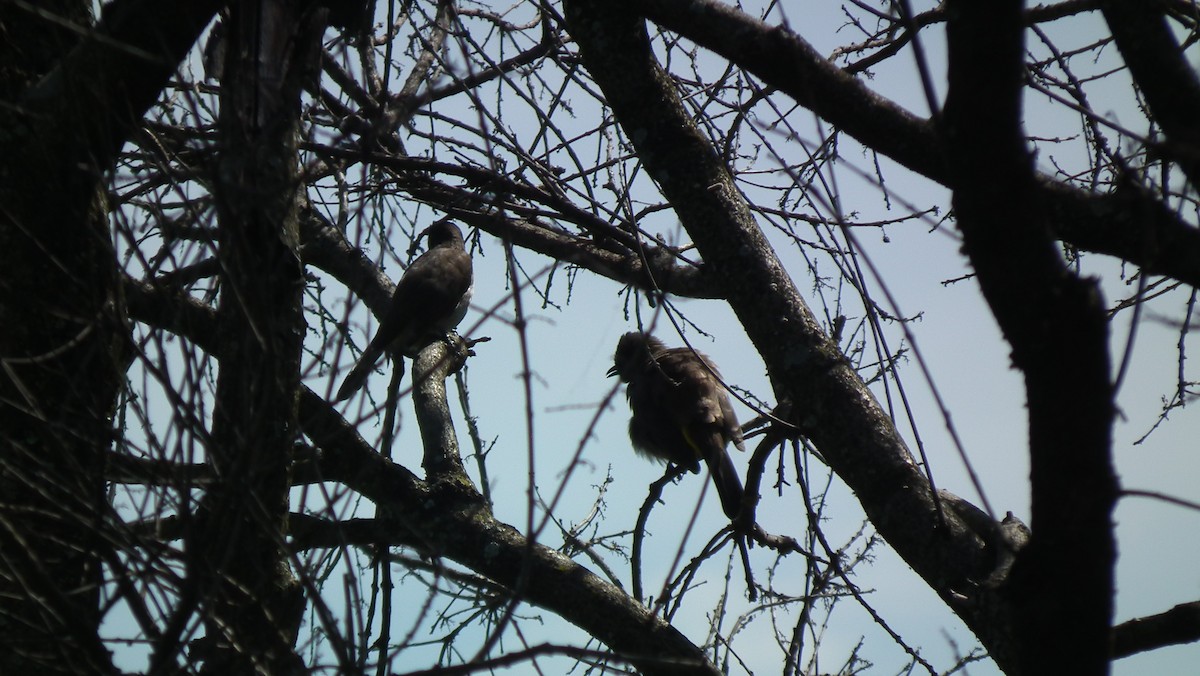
(717, 404)
(733, 431)
(428, 298)
(694, 395)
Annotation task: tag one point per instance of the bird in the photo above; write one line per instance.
(679, 411)
(430, 299)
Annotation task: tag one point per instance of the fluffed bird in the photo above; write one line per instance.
(680, 413)
(430, 299)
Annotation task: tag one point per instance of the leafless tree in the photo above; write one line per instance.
(196, 196)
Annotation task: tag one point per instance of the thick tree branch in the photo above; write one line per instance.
(324, 246)
(155, 472)
(1180, 624)
(1062, 581)
(1160, 70)
(101, 90)
(254, 604)
(60, 307)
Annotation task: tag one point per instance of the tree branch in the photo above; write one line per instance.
(448, 517)
(1160, 70)
(1062, 581)
(1180, 624)
(607, 249)
(101, 90)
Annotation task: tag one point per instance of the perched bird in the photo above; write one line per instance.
(680, 412)
(429, 301)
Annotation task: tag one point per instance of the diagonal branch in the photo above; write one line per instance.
(101, 90)
(609, 252)
(1160, 70)
(448, 517)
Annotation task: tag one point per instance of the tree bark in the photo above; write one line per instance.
(250, 599)
(1062, 583)
(1163, 74)
(65, 341)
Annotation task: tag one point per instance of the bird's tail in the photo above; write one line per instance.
(725, 478)
(358, 374)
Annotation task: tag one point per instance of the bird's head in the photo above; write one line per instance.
(634, 351)
(442, 232)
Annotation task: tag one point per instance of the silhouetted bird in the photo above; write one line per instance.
(430, 299)
(680, 411)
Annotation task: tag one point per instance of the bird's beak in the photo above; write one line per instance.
(612, 371)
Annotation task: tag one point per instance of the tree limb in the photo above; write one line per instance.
(1061, 583)
(101, 90)
(1161, 72)
(607, 249)
(1180, 624)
